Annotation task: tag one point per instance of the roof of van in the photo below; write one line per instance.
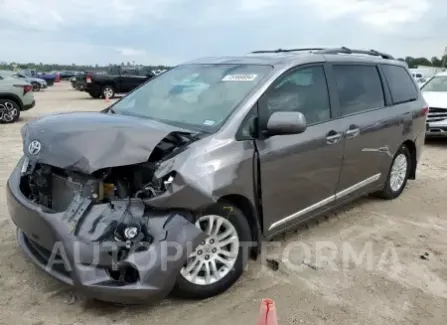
(298, 56)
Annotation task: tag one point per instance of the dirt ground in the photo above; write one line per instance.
(322, 278)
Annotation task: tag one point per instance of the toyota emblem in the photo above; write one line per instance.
(34, 147)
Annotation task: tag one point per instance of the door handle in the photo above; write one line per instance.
(333, 138)
(352, 133)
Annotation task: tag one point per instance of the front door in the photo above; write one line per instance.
(299, 173)
(368, 128)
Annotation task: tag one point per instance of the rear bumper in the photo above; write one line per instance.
(29, 106)
(62, 245)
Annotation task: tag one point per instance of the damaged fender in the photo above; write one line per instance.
(201, 177)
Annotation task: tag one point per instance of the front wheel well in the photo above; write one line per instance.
(412, 149)
(12, 98)
(249, 212)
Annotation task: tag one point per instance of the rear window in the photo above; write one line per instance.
(401, 84)
(359, 88)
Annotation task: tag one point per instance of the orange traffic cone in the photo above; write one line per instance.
(267, 314)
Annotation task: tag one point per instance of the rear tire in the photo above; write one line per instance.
(397, 175)
(107, 91)
(9, 111)
(230, 225)
(36, 86)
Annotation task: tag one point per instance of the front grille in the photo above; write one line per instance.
(436, 114)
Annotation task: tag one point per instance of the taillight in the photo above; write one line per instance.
(88, 79)
(425, 110)
(26, 88)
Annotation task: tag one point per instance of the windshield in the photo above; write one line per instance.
(438, 83)
(199, 97)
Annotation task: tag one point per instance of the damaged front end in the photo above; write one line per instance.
(110, 229)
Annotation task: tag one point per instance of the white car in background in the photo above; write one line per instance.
(435, 94)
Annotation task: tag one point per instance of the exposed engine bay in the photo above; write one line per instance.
(107, 206)
(54, 188)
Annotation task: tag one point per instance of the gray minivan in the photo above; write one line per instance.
(165, 189)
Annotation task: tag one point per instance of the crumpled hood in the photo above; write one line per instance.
(89, 141)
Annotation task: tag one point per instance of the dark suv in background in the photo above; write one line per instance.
(210, 156)
(117, 79)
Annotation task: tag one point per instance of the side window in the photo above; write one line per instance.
(359, 88)
(401, 85)
(304, 90)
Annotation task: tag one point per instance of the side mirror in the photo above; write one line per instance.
(284, 123)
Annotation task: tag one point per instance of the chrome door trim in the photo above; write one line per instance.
(357, 186)
(327, 200)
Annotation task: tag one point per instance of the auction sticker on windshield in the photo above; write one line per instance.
(240, 77)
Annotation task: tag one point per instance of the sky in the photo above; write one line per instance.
(173, 31)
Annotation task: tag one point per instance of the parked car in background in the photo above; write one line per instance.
(435, 94)
(37, 83)
(67, 75)
(116, 80)
(173, 185)
(48, 77)
(16, 95)
(78, 82)
(421, 81)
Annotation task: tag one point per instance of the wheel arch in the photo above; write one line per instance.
(411, 146)
(247, 208)
(12, 97)
(109, 83)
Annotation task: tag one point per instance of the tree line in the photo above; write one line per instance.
(45, 67)
(433, 62)
(412, 62)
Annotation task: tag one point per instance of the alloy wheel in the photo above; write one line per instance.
(8, 112)
(108, 92)
(398, 172)
(215, 257)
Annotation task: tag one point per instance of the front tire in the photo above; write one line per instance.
(218, 262)
(9, 111)
(397, 175)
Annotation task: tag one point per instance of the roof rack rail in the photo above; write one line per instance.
(345, 50)
(289, 50)
(322, 50)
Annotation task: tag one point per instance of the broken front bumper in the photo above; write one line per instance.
(70, 246)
